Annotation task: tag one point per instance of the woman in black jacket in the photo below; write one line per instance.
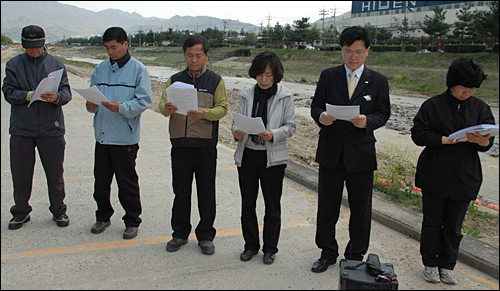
(449, 172)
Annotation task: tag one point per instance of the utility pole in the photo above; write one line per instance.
(225, 24)
(140, 32)
(254, 37)
(268, 23)
(197, 28)
(334, 32)
(323, 13)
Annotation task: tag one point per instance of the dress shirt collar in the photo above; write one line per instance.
(358, 71)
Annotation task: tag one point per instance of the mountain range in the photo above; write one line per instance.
(62, 21)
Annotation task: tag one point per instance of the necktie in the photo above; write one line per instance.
(351, 85)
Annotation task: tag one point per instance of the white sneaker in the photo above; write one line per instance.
(431, 274)
(447, 276)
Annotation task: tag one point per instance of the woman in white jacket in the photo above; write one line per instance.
(263, 157)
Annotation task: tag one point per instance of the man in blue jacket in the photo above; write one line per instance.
(40, 125)
(126, 83)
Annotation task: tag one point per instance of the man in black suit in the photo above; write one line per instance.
(346, 148)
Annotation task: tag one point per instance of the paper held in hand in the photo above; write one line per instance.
(347, 112)
(49, 84)
(249, 125)
(184, 96)
(92, 94)
(483, 129)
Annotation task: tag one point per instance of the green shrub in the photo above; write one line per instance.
(495, 48)
(465, 48)
(385, 48)
(329, 48)
(411, 48)
(432, 48)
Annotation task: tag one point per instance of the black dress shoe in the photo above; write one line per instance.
(175, 244)
(269, 258)
(16, 223)
(322, 264)
(130, 232)
(247, 255)
(100, 226)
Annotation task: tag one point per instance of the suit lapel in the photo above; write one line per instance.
(342, 83)
(363, 83)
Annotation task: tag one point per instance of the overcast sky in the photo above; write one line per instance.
(253, 12)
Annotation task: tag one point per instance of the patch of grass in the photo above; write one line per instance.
(77, 63)
(472, 231)
(473, 212)
(397, 167)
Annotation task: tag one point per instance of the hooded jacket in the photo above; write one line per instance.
(281, 121)
(42, 119)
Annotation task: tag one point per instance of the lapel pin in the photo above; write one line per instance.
(368, 98)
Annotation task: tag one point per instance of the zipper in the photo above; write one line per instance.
(186, 125)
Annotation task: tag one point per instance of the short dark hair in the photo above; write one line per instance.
(194, 40)
(354, 33)
(264, 59)
(117, 33)
(464, 71)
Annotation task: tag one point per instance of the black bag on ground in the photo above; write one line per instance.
(369, 275)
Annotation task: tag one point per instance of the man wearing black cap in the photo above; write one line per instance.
(40, 125)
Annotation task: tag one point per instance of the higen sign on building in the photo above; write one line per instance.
(374, 6)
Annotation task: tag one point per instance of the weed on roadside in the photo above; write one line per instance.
(394, 181)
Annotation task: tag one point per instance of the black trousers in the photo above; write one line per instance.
(359, 191)
(441, 230)
(22, 166)
(253, 169)
(201, 161)
(117, 160)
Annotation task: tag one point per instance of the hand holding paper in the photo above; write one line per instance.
(44, 86)
(92, 94)
(49, 84)
(343, 112)
(184, 96)
(249, 125)
(483, 129)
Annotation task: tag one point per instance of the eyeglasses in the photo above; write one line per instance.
(356, 53)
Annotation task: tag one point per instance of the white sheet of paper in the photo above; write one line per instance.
(184, 96)
(483, 129)
(92, 94)
(343, 112)
(249, 125)
(58, 76)
(182, 85)
(45, 85)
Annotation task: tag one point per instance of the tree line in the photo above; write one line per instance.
(472, 26)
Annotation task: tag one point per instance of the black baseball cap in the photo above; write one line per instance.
(33, 36)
